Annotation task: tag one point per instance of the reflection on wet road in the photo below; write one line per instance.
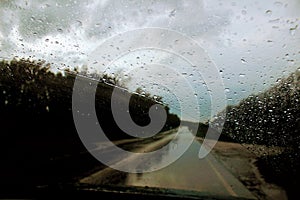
(188, 172)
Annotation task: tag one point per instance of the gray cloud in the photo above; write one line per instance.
(253, 43)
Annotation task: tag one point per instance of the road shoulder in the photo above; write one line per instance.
(242, 164)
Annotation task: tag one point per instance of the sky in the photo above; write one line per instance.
(251, 43)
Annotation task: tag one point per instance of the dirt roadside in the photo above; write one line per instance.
(240, 160)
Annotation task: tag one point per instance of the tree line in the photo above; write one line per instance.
(271, 118)
(38, 136)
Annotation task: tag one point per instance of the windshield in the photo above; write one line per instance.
(150, 99)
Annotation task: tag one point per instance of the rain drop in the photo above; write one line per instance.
(269, 12)
(172, 13)
(293, 30)
(244, 12)
(78, 23)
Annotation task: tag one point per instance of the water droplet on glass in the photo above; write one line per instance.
(278, 3)
(172, 13)
(293, 30)
(243, 61)
(78, 23)
(269, 12)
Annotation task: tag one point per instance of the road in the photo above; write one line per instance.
(188, 172)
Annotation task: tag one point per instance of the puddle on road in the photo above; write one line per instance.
(190, 173)
(178, 175)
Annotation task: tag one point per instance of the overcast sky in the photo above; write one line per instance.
(252, 43)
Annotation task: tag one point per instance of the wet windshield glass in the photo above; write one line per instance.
(163, 98)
